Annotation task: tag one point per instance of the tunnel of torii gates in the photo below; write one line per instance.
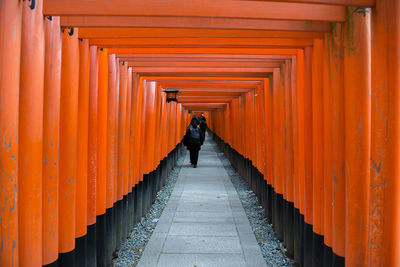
(301, 95)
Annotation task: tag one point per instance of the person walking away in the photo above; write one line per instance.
(192, 141)
(203, 129)
(202, 118)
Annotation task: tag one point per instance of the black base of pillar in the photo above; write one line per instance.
(67, 259)
(110, 236)
(297, 255)
(328, 256)
(100, 240)
(290, 222)
(307, 244)
(81, 251)
(91, 246)
(318, 250)
(337, 261)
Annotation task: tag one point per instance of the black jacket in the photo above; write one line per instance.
(188, 143)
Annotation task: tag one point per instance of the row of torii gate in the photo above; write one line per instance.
(306, 92)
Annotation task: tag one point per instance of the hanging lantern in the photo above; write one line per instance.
(172, 95)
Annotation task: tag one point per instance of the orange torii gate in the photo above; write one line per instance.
(303, 95)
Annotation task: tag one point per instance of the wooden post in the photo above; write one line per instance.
(30, 135)
(51, 127)
(68, 141)
(10, 53)
(384, 211)
(357, 99)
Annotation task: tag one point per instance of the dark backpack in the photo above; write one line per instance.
(194, 136)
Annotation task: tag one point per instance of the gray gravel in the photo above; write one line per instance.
(131, 250)
(272, 249)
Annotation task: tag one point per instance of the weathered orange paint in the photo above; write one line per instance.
(30, 136)
(112, 132)
(10, 58)
(92, 132)
(68, 139)
(51, 127)
(102, 132)
(338, 192)
(82, 142)
(357, 102)
(384, 211)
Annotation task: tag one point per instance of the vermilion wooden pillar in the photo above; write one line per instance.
(357, 99)
(150, 126)
(298, 156)
(289, 163)
(138, 127)
(317, 152)
(308, 156)
(101, 179)
(92, 132)
(338, 190)
(82, 142)
(128, 82)
(327, 150)
(268, 134)
(300, 125)
(141, 156)
(112, 131)
(278, 160)
(135, 102)
(10, 52)
(30, 135)
(121, 130)
(68, 142)
(51, 126)
(384, 210)
(102, 132)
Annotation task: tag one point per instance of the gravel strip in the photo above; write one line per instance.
(131, 250)
(272, 249)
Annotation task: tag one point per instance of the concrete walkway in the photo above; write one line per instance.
(204, 223)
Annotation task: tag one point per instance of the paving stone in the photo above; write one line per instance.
(201, 260)
(203, 229)
(202, 244)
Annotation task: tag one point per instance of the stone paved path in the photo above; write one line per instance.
(204, 223)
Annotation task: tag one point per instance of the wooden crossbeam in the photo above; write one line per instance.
(195, 23)
(200, 70)
(232, 64)
(358, 3)
(201, 42)
(198, 57)
(198, 8)
(178, 51)
(122, 32)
